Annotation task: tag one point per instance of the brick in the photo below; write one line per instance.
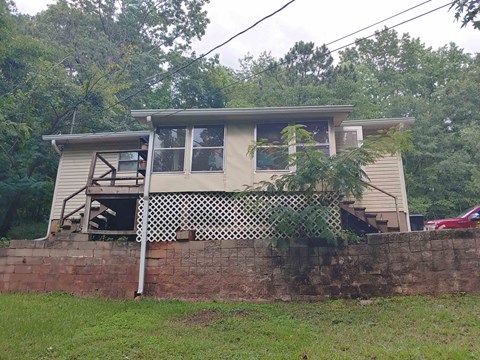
(157, 254)
(23, 252)
(463, 243)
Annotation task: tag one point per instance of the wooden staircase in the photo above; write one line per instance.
(357, 219)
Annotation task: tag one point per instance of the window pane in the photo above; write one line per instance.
(323, 148)
(346, 139)
(208, 136)
(270, 133)
(272, 158)
(168, 160)
(319, 131)
(170, 137)
(128, 156)
(128, 165)
(207, 160)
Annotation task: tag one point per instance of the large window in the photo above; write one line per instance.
(272, 153)
(319, 131)
(128, 161)
(169, 149)
(208, 146)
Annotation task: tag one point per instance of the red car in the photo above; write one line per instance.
(468, 219)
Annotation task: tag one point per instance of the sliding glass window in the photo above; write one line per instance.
(169, 149)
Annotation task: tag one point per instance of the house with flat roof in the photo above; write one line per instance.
(178, 179)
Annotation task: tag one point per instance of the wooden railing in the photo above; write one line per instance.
(113, 179)
(395, 199)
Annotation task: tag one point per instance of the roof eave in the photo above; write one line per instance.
(95, 137)
(168, 116)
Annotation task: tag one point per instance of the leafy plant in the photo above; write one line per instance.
(316, 173)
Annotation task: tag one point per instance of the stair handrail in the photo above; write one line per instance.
(64, 204)
(395, 198)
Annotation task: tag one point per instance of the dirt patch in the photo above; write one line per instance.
(202, 318)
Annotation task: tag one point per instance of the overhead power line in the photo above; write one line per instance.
(332, 51)
(281, 63)
(171, 73)
(378, 22)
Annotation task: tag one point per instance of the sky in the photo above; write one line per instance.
(314, 20)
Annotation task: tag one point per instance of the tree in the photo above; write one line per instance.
(78, 66)
(468, 11)
(315, 173)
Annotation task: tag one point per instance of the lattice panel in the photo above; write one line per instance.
(223, 216)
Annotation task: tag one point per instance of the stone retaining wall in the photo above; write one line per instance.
(390, 264)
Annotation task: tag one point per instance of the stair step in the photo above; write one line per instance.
(348, 202)
(382, 225)
(393, 229)
(371, 215)
(94, 224)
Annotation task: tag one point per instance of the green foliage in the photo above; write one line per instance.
(468, 11)
(315, 173)
(75, 68)
(28, 230)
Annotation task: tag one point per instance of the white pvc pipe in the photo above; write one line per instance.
(146, 203)
(49, 227)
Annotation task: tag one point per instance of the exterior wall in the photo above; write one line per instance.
(73, 170)
(386, 174)
(238, 167)
(389, 264)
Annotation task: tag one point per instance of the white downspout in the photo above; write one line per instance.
(49, 227)
(146, 203)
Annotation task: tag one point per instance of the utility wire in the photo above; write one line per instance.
(332, 51)
(378, 22)
(171, 73)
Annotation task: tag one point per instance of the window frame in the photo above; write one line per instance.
(191, 130)
(291, 146)
(120, 161)
(357, 129)
(184, 148)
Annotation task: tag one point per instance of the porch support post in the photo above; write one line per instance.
(86, 214)
(146, 204)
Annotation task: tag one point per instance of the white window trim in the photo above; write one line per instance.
(173, 148)
(190, 130)
(292, 146)
(358, 129)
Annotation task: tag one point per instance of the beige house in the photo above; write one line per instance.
(182, 174)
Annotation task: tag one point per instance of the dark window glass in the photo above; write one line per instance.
(207, 160)
(207, 153)
(272, 158)
(270, 133)
(170, 137)
(319, 131)
(208, 136)
(169, 154)
(168, 160)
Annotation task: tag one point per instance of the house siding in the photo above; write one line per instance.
(74, 167)
(386, 174)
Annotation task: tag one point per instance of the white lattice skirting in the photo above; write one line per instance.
(223, 216)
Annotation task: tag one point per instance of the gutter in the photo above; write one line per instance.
(49, 227)
(146, 204)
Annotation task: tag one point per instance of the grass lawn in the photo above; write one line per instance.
(59, 326)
